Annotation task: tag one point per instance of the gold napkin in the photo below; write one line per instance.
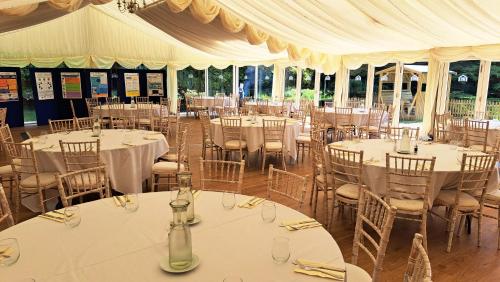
(6, 253)
(196, 193)
(297, 221)
(311, 263)
(119, 199)
(251, 203)
(324, 270)
(303, 226)
(55, 216)
(317, 273)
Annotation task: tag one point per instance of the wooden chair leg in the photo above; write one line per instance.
(423, 229)
(479, 221)
(283, 160)
(453, 220)
(263, 161)
(498, 218)
(461, 225)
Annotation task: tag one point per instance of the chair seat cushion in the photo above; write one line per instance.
(273, 146)
(494, 196)
(348, 190)
(356, 273)
(235, 144)
(47, 180)
(303, 138)
(447, 197)
(166, 167)
(89, 179)
(6, 170)
(407, 204)
(172, 157)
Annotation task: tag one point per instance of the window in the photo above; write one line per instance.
(247, 82)
(290, 83)
(383, 85)
(307, 86)
(327, 87)
(357, 82)
(493, 101)
(220, 81)
(28, 100)
(191, 79)
(265, 77)
(463, 88)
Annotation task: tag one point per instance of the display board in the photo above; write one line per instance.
(71, 85)
(44, 85)
(8, 87)
(132, 86)
(99, 84)
(154, 84)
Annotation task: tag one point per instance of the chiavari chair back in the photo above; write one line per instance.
(81, 155)
(457, 131)
(5, 212)
(476, 134)
(373, 123)
(6, 134)
(3, 116)
(144, 115)
(419, 265)
(142, 100)
(91, 104)
(343, 117)
(232, 135)
(207, 137)
(396, 133)
(274, 135)
(221, 175)
(62, 125)
(85, 123)
(162, 125)
(442, 122)
(112, 100)
(286, 184)
(79, 183)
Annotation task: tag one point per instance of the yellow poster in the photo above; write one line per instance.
(132, 88)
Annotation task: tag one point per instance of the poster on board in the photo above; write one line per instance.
(131, 84)
(71, 85)
(8, 87)
(44, 85)
(99, 84)
(155, 84)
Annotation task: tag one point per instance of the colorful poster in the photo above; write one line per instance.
(132, 84)
(155, 84)
(71, 85)
(99, 84)
(44, 85)
(8, 87)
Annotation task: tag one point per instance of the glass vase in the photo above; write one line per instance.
(185, 193)
(179, 237)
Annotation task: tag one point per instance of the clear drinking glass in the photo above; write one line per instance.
(281, 249)
(232, 279)
(43, 137)
(268, 211)
(72, 216)
(9, 251)
(228, 200)
(131, 202)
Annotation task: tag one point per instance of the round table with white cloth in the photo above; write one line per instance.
(112, 244)
(127, 154)
(253, 133)
(359, 116)
(275, 104)
(210, 101)
(103, 110)
(446, 169)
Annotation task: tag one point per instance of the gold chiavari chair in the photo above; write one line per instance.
(263, 107)
(286, 184)
(441, 127)
(6, 172)
(63, 125)
(168, 169)
(112, 100)
(396, 133)
(162, 125)
(469, 197)
(274, 135)
(456, 132)
(85, 123)
(476, 135)
(92, 104)
(343, 123)
(232, 135)
(374, 216)
(142, 100)
(347, 170)
(373, 124)
(318, 118)
(171, 156)
(207, 137)
(79, 183)
(419, 265)
(303, 141)
(144, 115)
(81, 154)
(5, 212)
(221, 175)
(390, 114)
(29, 180)
(322, 178)
(3, 116)
(408, 184)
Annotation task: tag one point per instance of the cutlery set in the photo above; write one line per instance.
(320, 269)
(253, 202)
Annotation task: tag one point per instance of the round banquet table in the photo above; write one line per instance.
(359, 116)
(210, 101)
(272, 104)
(103, 111)
(111, 244)
(127, 154)
(446, 169)
(253, 133)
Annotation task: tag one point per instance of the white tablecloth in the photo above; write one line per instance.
(359, 116)
(210, 101)
(253, 134)
(272, 104)
(446, 169)
(113, 245)
(103, 111)
(127, 166)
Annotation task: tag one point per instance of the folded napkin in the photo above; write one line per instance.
(196, 193)
(319, 269)
(121, 199)
(6, 253)
(251, 203)
(297, 221)
(302, 226)
(53, 215)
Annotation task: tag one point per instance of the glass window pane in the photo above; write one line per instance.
(383, 88)
(191, 79)
(290, 83)
(357, 82)
(220, 81)
(247, 82)
(265, 77)
(493, 104)
(327, 88)
(307, 86)
(463, 88)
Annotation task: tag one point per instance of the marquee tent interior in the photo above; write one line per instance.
(383, 60)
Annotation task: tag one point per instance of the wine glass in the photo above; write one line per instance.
(228, 200)
(281, 249)
(72, 216)
(43, 137)
(268, 212)
(9, 251)
(131, 202)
